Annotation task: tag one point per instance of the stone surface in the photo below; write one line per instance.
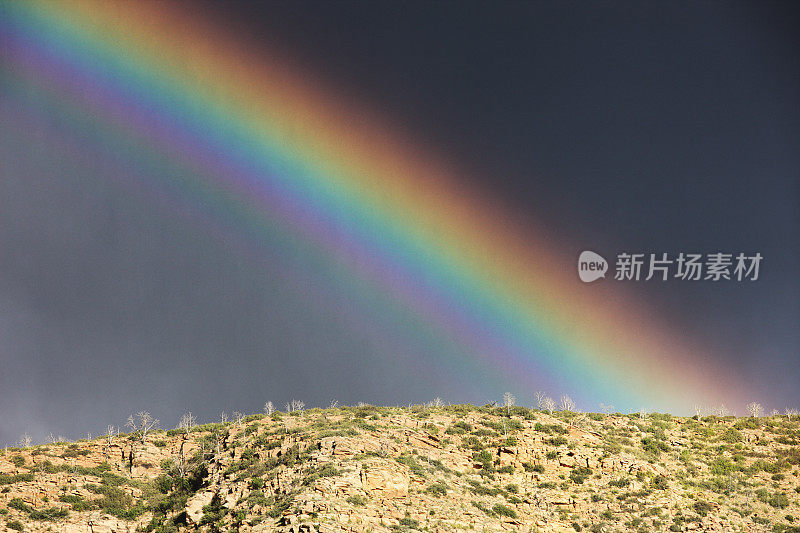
(372, 469)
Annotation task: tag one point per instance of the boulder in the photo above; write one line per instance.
(194, 507)
(385, 480)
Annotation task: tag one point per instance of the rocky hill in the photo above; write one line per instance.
(386, 469)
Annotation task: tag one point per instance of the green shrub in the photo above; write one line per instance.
(412, 464)
(342, 432)
(486, 459)
(52, 513)
(256, 497)
(477, 488)
(48, 467)
(732, 436)
(746, 423)
(660, 482)
(113, 480)
(18, 461)
(19, 505)
(437, 489)
(163, 483)
(409, 522)
(702, 507)
(357, 499)
(790, 455)
(116, 502)
(779, 500)
(722, 467)
(463, 426)
(49, 514)
(77, 502)
(327, 470)
(654, 446)
(15, 525)
(213, 512)
(8, 479)
(282, 503)
(503, 510)
(73, 450)
(579, 474)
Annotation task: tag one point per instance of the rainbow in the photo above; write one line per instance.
(342, 205)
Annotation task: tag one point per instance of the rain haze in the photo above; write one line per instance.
(615, 127)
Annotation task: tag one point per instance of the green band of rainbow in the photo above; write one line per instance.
(246, 141)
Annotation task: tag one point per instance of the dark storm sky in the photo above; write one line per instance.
(642, 127)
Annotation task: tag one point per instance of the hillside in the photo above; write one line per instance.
(385, 469)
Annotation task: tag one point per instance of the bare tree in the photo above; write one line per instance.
(643, 413)
(269, 408)
(549, 405)
(720, 410)
(109, 437)
(385, 447)
(223, 418)
(567, 404)
(51, 439)
(238, 418)
(334, 404)
(508, 402)
(437, 402)
(698, 410)
(25, 440)
(606, 408)
(142, 423)
(754, 409)
(791, 412)
(187, 422)
(579, 421)
(540, 396)
(295, 406)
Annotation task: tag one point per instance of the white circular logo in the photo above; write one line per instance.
(591, 266)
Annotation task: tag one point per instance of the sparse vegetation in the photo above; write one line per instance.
(494, 459)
